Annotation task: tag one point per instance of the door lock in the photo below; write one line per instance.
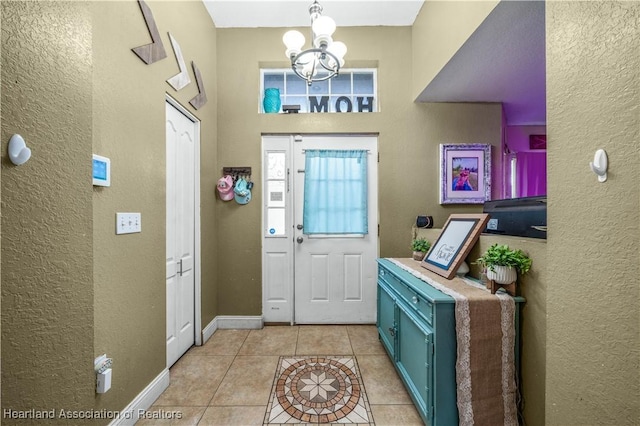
(299, 226)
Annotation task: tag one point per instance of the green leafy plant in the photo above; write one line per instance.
(502, 255)
(420, 244)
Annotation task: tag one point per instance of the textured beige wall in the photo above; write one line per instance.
(47, 239)
(129, 128)
(440, 29)
(409, 135)
(533, 322)
(593, 93)
(71, 288)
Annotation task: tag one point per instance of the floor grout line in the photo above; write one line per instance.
(353, 334)
(222, 379)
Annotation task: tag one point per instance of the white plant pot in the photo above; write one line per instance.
(463, 269)
(503, 274)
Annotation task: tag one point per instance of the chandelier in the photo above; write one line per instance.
(325, 57)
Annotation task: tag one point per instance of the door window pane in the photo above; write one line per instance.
(275, 165)
(335, 192)
(275, 222)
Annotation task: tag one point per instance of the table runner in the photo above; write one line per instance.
(485, 336)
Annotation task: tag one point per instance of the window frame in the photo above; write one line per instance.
(305, 109)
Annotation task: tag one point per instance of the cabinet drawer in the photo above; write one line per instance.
(410, 296)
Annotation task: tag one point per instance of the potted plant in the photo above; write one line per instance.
(503, 264)
(420, 248)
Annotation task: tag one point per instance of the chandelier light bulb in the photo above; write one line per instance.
(294, 40)
(323, 26)
(325, 57)
(333, 65)
(338, 49)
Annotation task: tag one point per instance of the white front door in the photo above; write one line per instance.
(315, 279)
(335, 275)
(182, 140)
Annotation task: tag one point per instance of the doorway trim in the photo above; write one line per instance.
(197, 238)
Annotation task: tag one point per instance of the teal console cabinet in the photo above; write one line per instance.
(416, 325)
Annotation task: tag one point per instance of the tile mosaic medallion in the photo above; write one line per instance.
(319, 389)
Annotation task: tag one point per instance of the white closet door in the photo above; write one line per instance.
(180, 195)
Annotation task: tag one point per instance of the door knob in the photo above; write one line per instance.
(299, 226)
(299, 240)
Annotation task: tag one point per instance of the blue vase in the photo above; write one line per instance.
(271, 102)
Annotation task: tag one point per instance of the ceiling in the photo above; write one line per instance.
(503, 60)
(295, 13)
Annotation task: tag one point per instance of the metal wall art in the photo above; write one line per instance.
(201, 98)
(181, 79)
(153, 51)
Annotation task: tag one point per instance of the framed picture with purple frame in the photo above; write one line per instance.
(465, 173)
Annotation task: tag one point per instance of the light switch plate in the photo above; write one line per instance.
(128, 223)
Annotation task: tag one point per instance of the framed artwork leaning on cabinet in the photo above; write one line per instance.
(459, 234)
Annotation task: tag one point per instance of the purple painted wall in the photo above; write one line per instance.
(530, 164)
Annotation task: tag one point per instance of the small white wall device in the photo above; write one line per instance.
(102, 366)
(18, 151)
(101, 171)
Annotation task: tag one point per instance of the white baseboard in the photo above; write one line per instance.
(145, 399)
(231, 322)
(239, 322)
(208, 331)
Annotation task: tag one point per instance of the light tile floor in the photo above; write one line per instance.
(227, 381)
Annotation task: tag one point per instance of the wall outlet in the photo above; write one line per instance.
(128, 223)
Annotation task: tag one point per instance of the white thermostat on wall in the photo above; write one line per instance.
(101, 171)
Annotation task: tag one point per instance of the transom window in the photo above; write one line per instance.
(353, 90)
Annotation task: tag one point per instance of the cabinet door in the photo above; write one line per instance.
(386, 319)
(414, 355)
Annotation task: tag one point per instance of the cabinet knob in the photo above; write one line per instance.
(414, 299)
(392, 331)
